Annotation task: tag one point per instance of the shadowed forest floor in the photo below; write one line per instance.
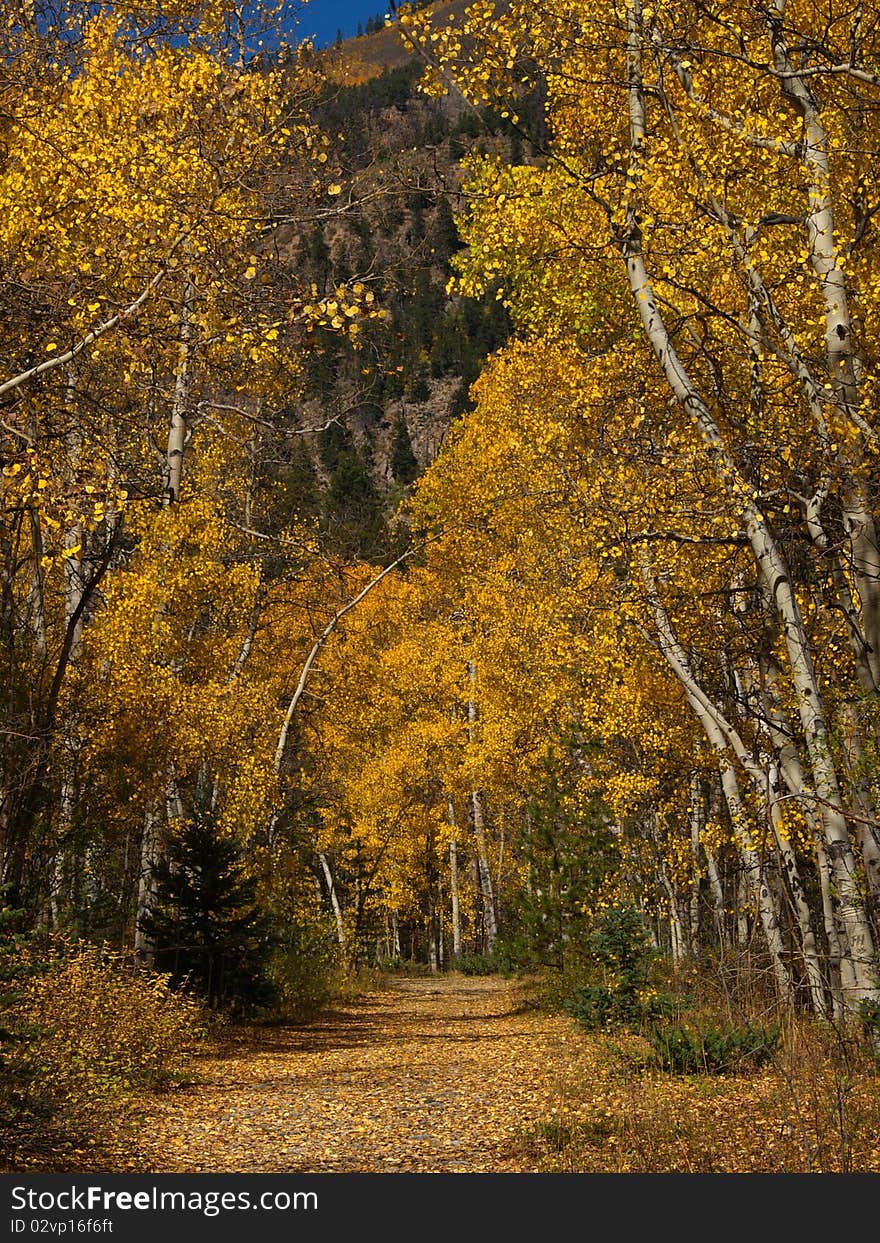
(430, 1075)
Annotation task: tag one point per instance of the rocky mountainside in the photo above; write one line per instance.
(385, 408)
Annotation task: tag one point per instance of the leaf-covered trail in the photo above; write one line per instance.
(430, 1075)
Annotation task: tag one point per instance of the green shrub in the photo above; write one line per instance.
(619, 943)
(595, 1007)
(480, 964)
(209, 933)
(712, 1050)
(869, 1016)
(304, 971)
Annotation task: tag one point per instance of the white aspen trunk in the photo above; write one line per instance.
(433, 939)
(431, 884)
(717, 897)
(676, 932)
(840, 971)
(334, 901)
(857, 640)
(178, 429)
(173, 802)
(453, 884)
(773, 792)
(709, 719)
(146, 892)
(839, 975)
(743, 925)
(840, 341)
(843, 978)
(248, 641)
(771, 564)
(490, 918)
(322, 638)
(756, 882)
(865, 828)
(388, 950)
(803, 915)
(395, 930)
(866, 836)
(56, 892)
(715, 884)
(698, 819)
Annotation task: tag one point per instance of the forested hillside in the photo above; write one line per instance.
(392, 398)
(439, 533)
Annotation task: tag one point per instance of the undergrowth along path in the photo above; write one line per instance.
(439, 1074)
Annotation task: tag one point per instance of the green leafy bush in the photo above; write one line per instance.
(304, 971)
(481, 964)
(595, 1007)
(869, 1016)
(712, 1050)
(619, 944)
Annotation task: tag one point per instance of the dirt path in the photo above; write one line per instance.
(431, 1075)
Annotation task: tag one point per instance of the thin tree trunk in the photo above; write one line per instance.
(453, 884)
(146, 893)
(743, 923)
(842, 975)
(840, 339)
(490, 918)
(802, 912)
(709, 718)
(839, 975)
(334, 901)
(178, 429)
(717, 898)
(676, 932)
(698, 820)
(490, 924)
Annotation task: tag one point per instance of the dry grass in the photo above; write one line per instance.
(814, 1109)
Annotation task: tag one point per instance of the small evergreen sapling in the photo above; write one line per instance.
(209, 933)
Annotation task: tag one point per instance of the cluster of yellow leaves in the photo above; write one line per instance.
(390, 735)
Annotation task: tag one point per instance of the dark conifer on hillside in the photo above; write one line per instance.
(404, 465)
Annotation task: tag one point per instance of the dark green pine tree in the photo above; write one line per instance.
(353, 514)
(404, 464)
(568, 853)
(445, 238)
(208, 931)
